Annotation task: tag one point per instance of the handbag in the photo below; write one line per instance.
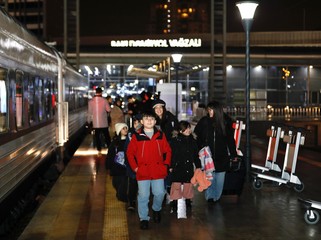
(235, 166)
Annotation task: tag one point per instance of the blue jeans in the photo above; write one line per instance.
(215, 190)
(158, 191)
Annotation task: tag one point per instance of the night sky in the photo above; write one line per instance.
(101, 17)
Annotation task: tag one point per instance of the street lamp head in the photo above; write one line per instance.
(177, 57)
(247, 9)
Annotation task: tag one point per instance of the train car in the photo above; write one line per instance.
(43, 104)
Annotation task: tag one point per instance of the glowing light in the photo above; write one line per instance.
(247, 9)
(88, 70)
(286, 73)
(88, 152)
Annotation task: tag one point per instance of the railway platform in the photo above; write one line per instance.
(82, 205)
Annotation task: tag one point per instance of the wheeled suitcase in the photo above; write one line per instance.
(235, 178)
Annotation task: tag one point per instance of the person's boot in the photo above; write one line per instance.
(188, 204)
(173, 205)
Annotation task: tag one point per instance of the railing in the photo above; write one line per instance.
(262, 113)
(267, 113)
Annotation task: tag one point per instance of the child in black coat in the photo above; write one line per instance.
(184, 160)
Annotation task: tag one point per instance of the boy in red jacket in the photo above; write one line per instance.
(149, 155)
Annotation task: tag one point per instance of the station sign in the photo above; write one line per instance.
(159, 43)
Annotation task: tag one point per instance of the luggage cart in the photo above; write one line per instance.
(274, 134)
(288, 177)
(311, 215)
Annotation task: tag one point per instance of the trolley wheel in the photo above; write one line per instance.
(299, 188)
(311, 216)
(257, 184)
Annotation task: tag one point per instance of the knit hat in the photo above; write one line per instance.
(158, 102)
(119, 127)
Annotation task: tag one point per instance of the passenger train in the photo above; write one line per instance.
(43, 103)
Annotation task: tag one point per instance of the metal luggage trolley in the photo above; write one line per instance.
(274, 134)
(288, 177)
(311, 215)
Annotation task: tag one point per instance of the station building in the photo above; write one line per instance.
(285, 66)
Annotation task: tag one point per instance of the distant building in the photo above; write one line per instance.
(171, 16)
(31, 13)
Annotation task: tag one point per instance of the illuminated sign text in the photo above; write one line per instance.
(181, 42)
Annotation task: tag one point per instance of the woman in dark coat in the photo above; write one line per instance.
(165, 120)
(184, 160)
(215, 130)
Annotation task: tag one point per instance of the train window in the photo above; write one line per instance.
(19, 93)
(71, 100)
(3, 100)
(25, 101)
(39, 98)
(54, 97)
(30, 95)
(15, 100)
(66, 94)
(47, 95)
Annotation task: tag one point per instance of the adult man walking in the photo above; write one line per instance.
(98, 108)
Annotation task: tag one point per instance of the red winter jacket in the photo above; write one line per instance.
(151, 157)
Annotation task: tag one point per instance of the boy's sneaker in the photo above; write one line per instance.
(144, 224)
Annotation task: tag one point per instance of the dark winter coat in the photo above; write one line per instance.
(184, 156)
(168, 123)
(151, 156)
(115, 168)
(205, 136)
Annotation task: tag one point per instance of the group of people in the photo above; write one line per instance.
(159, 155)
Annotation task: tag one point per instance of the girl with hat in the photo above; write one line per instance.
(115, 161)
(165, 120)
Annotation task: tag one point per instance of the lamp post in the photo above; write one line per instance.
(247, 10)
(176, 59)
